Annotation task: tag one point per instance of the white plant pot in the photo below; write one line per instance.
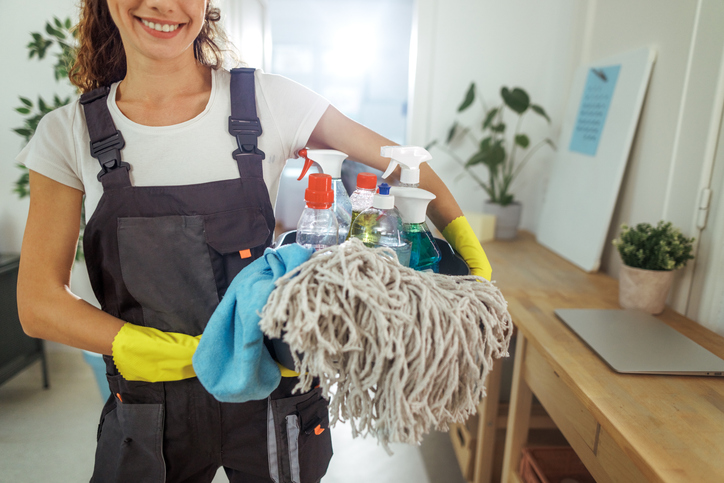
(507, 219)
(645, 290)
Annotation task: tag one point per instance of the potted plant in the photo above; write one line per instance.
(493, 152)
(650, 256)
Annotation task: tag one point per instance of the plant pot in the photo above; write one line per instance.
(507, 219)
(645, 290)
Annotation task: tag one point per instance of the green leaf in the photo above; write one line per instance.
(451, 133)
(498, 127)
(68, 23)
(42, 105)
(26, 101)
(517, 99)
(522, 140)
(23, 110)
(551, 144)
(540, 111)
(485, 143)
(489, 117)
(57, 22)
(476, 158)
(469, 98)
(23, 132)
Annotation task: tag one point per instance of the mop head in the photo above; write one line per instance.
(397, 352)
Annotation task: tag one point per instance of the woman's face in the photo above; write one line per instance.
(158, 29)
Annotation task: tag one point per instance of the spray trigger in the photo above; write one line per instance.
(390, 168)
(307, 163)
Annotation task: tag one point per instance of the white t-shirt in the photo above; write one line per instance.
(196, 151)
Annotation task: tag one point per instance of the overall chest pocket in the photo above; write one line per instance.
(178, 267)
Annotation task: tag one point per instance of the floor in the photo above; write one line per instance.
(49, 435)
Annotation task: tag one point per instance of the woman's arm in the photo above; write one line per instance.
(47, 307)
(336, 131)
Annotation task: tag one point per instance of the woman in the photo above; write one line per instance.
(173, 216)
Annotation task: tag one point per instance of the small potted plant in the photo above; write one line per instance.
(497, 152)
(650, 256)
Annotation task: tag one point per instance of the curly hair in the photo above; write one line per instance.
(100, 57)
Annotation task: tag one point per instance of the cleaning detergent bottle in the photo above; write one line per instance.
(317, 227)
(330, 162)
(412, 204)
(364, 195)
(409, 158)
(381, 226)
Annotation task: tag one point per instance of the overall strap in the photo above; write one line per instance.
(106, 141)
(244, 123)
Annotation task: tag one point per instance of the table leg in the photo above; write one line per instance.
(521, 399)
(488, 415)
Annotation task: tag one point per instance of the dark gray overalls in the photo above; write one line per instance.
(162, 257)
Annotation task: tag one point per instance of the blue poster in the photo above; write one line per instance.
(592, 112)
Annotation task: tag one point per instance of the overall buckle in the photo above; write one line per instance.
(108, 153)
(247, 133)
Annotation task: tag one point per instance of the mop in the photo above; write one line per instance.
(397, 352)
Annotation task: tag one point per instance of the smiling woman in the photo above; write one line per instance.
(190, 157)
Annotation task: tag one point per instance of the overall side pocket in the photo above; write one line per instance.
(130, 437)
(299, 431)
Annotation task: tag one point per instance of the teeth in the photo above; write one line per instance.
(160, 27)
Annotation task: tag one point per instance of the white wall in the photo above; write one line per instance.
(674, 139)
(534, 45)
(20, 76)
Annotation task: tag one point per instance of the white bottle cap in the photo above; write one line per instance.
(409, 157)
(412, 203)
(383, 200)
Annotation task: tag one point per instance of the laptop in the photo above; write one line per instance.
(634, 342)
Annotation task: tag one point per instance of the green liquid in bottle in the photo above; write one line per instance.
(425, 254)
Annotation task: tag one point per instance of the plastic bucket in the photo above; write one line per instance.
(96, 362)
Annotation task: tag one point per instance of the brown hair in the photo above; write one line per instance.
(100, 58)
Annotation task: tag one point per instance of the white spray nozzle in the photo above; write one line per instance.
(409, 157)
(329, 160)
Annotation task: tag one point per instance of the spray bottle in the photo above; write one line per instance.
(381, 226)
(330, 162)
(317, 227)
(409, 158)
(412, 203)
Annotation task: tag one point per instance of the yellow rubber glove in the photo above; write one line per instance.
(286, 372)
(147, 354)
(462, 238)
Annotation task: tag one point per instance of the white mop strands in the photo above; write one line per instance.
(404, 348)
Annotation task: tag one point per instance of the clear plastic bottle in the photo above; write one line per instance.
(364, 195)
(330, 162)
(381, 226)
(317, 227)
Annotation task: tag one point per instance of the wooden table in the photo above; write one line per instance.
(625, 428)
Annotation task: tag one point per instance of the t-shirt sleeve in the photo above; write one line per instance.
(51, 150)
(296, 110)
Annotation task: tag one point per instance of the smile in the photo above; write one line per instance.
(160, 27)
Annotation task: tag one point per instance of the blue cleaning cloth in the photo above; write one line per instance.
(231, 361)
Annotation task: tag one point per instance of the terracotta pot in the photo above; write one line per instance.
(644, 289)
(507, 219)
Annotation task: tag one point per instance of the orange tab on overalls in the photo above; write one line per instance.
(245, 253)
